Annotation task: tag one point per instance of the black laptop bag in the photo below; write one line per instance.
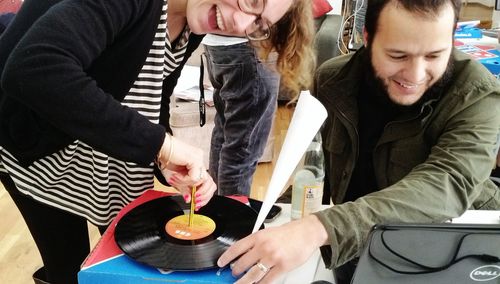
(430, 254)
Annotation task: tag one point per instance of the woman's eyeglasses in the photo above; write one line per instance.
(259, 29)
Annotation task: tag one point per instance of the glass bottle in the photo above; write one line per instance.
(307, 189)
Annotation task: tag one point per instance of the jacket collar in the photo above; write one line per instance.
(342, 77)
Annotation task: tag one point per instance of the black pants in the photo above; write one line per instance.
(344, 273)
(61, 237)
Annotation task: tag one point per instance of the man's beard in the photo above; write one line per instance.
(376, 83)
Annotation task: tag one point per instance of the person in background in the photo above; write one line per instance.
(245, 98)
(411, 136)
(84, 106)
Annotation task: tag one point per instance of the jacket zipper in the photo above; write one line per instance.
(345, 175)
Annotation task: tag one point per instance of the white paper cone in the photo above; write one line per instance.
(307, 119)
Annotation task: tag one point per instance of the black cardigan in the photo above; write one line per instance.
(65, 67)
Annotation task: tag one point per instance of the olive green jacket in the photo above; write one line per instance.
(431, 167)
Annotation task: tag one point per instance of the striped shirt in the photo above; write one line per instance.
(86, 182)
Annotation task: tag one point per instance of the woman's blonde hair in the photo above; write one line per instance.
(292, 38)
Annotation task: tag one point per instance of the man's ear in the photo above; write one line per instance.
(365, 36)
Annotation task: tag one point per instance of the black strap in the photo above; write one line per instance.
(201, 103)
(429, 269)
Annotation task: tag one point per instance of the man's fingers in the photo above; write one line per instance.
(235, 251)
(254, 274)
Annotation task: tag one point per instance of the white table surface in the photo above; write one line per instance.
(479, 217)
(314, 269)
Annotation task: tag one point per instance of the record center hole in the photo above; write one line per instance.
(178, 227)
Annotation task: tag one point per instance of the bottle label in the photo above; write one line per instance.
(313, 196)
(308, 202)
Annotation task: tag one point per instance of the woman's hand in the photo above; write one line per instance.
(183, 167)
(269, 253)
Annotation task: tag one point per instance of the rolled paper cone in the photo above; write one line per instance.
(306, 121)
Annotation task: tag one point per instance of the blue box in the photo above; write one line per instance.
(469, 33)
(107, 263)
(486, 54)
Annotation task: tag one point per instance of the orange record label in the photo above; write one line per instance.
(178, 227)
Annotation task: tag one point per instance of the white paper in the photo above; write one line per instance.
(193, 94)
(190, 76)
(306, 121)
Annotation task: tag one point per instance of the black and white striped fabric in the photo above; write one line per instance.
(89, 183)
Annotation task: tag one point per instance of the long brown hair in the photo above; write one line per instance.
(292, 38)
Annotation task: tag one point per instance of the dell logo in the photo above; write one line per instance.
(485, 273)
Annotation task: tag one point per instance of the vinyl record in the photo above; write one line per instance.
(141, 233)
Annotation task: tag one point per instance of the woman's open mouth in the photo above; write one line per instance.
(220, 22)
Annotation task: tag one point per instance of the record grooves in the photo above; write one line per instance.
(141, 234)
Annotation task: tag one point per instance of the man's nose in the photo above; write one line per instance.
(416, 70)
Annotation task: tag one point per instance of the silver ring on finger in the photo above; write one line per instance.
(262, 267)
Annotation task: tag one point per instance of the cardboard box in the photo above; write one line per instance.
(469, 33)
(468, 29)
(107, 263)
(486, 54)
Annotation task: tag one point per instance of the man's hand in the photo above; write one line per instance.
(269, 253)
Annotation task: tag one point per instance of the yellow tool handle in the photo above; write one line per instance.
(193, 204)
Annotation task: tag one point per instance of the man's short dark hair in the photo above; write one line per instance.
(426, 8)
